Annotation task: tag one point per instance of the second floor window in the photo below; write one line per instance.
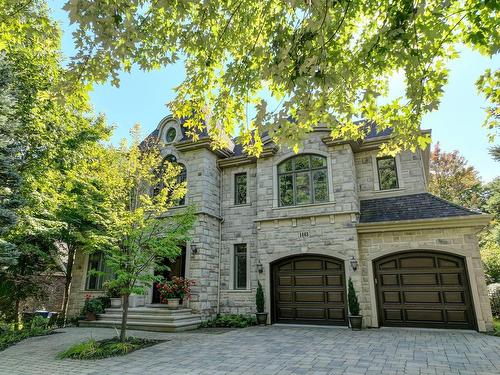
(240, 266)
(302, 179)
(240, 188)
(387, 173)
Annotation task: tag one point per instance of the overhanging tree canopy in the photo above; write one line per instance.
(322, 61)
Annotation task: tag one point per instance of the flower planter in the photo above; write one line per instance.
(116, 302)
(173, 303)
(261, 318)
(90, 316)
(355, 321)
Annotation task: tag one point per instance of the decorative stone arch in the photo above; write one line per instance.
(304, 151)
(471, 272)
(164, 124)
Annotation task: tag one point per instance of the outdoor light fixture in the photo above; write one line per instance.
(260, 269)
(354, 263)
(194, 250)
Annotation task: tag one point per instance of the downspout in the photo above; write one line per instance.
(221, 221)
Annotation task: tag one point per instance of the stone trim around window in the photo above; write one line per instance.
(291, 154)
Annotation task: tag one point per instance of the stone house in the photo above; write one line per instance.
(303, 224)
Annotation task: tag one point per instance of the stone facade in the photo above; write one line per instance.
(271, 232)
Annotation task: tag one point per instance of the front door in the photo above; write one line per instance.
(175, 268)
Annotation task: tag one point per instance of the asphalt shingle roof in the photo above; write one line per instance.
(410, 207)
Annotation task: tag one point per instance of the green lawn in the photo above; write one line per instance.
(496, 325)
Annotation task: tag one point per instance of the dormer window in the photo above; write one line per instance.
(387, 173)
(170, 136)
(302, 179)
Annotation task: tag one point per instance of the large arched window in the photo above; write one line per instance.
(181, 177)
(302, 179)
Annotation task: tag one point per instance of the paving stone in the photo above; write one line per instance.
(271, 350)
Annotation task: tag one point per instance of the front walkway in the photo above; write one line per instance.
(269, 350)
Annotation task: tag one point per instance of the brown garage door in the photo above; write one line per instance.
(423, 289)
(309, 290)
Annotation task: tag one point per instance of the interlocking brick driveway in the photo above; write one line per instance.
(270, 350)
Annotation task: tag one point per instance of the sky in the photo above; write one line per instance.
(456, 125)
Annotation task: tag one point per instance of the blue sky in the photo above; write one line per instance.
(142, 97)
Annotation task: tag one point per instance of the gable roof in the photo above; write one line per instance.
(410, 207)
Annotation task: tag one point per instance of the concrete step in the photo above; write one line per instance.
(146, 326)
(152, 318)
(149, 311)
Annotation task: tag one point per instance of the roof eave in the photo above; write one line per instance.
(480, 220)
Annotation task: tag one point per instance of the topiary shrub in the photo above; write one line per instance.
(259, 298)
(353, 299)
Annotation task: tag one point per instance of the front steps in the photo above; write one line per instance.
(157, 318)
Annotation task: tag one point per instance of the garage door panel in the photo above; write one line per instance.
(336, 314)
(335, 296)
(454, 297)
(422, 297)
(308, 264)
(391, 297)
(416, 262)
(426, 289)
(285, 280)
(419, 279)
(310, 296)
(312, 291)
(336, 280)
(451, 279)
(389, 279)
(421, 315)
(309, 280)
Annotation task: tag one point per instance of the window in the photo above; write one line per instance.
(240, 266)
(97, 272)
(181, 177)
(387, 174)
(240, 188)
(170, 136)
(302, 179)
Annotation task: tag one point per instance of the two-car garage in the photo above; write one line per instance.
(413, 289)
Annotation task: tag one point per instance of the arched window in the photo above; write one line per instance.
(302, 179)
(181, 177)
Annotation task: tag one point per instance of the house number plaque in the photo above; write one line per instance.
(303, 234)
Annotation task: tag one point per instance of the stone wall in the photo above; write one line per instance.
(410, 174)
(461, 241)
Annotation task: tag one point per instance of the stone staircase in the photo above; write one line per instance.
(154, 317)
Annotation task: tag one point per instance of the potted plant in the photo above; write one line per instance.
(172, 291)
(92, 307)
(259, 303)
(113, 292)
(355, 320)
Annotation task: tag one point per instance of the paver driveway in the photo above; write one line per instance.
(270, 350)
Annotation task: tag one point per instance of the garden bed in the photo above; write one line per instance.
(93, 349)
(37, 327)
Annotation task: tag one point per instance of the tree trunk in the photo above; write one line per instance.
(16, 314)
(67, 284)
(123, 331)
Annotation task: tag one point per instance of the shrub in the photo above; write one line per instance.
(259, 298)
(93, 349)
(92, 305)
(38, 326)
(494, 293)
(112, 289)
(230, 321)
(353, 299)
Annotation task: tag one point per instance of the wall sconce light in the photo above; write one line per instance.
(260, 268)
(354, 263)
(194, 250)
